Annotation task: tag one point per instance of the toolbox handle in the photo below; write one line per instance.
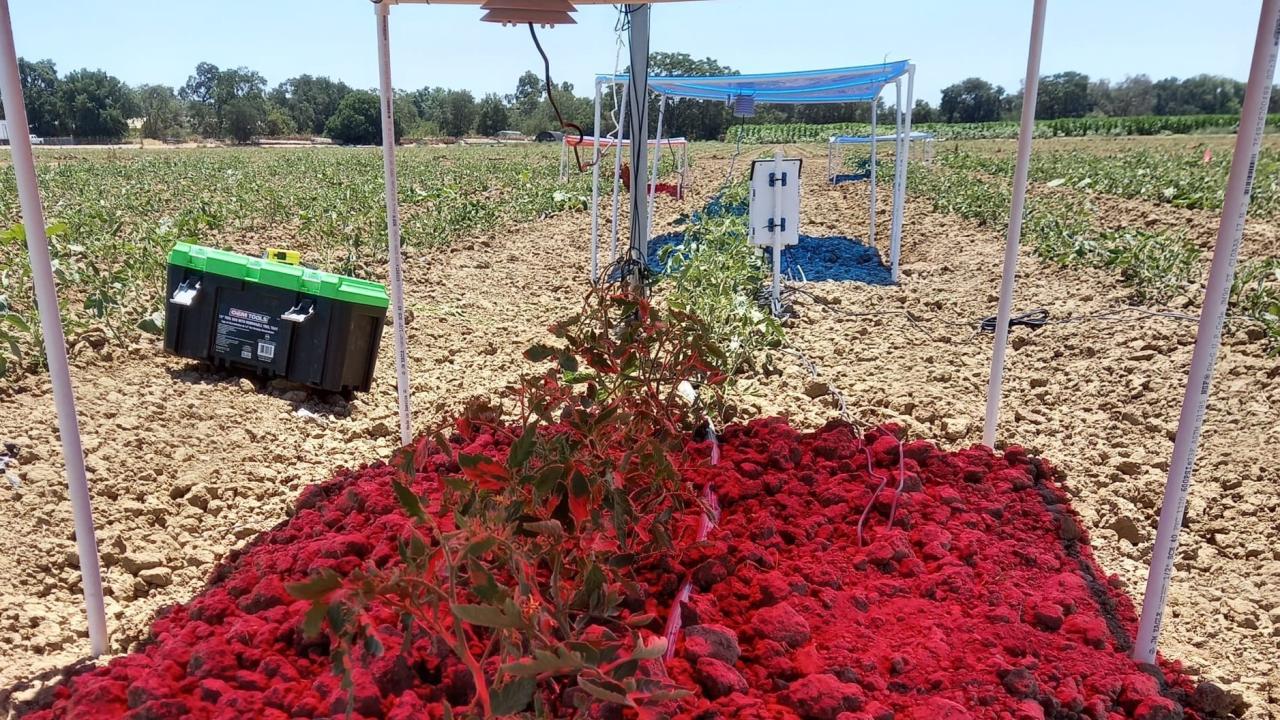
(300, 312)
(186, 293)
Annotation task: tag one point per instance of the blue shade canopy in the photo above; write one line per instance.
(839, 85)
(866, 139)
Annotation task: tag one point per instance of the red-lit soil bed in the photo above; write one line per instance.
(982, 601)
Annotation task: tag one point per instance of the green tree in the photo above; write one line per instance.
(198, 93)
(430, 103)
(161, 111)
(96, 105)
(528, 96)
(1065, 94)
(358, 120)
(459, 113)
(491, 115)
(40, 91)
(309, 100)
(694, 119)
(923, 112)
(226, 103)
(278, 123)
(1135, 95)
(971, 100)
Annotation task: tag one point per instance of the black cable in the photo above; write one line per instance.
(546, 63)
(1034, 319)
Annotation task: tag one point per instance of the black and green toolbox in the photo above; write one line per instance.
(273, 318)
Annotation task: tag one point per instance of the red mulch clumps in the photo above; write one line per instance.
(237, 650)
(981, 601)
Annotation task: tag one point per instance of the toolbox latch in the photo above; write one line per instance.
(186, 292)
(300, 312)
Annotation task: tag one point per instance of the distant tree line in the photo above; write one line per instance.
(1073, 95)
(237, 104)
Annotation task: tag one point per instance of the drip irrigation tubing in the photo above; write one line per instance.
(1034, 319)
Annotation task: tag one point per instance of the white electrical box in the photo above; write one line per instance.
(774, 214)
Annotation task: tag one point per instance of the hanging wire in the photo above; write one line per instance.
(551, 97)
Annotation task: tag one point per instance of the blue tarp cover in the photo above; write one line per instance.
(866, 139)
(837, 85)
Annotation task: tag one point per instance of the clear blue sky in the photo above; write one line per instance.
(155, 41)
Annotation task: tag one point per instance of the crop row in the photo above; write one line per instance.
(1183, 178)
(115, 215)
(1004, 129)
(1064, 229)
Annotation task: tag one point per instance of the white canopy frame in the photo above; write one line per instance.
(1253, 115)
(902, 142)
(678, 146)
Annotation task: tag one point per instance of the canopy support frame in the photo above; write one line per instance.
(1226, 253)
(1014, 234)
(395, 271)
(55, 343)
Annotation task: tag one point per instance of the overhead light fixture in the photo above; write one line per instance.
(547, 13)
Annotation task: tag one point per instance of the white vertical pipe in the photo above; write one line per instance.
(595, 188)
(898, 179)
(395, 273)
(831, 145)
(617, 172)
(638, 44)
(1253, 118)
(55, 344)
(1031, 89)
(564, 158)
(657, 160)
(777, 229)
(875, 110)
(899, 207)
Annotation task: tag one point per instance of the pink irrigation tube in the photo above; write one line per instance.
(55, 343)
(1253, 118)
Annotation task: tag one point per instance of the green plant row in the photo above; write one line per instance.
(714, 274)
(1063, 229)
(1183, 177)
(1003, 129)
(114, 216)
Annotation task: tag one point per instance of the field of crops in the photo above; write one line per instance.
(528, 558)
(1062, 127)
(1065, 225)
(114, 215)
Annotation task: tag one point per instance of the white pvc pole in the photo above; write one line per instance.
(395, 272)
(55, 344)
(899, 208)
(564, 158)
(1253, 118)
(777, 230)
(831, 144)
(898, 179)
(617, 173)
(1031, 89)
(875, 110)
(657, 159)
(595, 190)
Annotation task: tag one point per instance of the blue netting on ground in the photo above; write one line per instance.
(840, 259)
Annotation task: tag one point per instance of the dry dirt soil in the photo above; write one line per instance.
(186, 465)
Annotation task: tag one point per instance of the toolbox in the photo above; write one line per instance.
(273, 318)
